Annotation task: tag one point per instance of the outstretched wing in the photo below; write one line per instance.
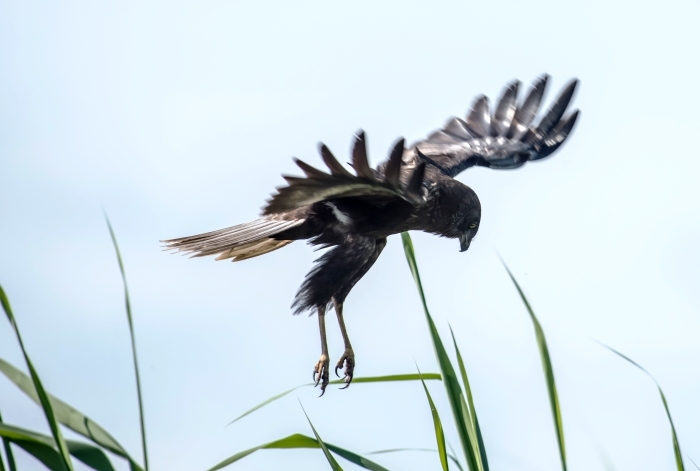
(505, 139)
(367, 184)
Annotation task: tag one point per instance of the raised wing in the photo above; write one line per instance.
(505, 139)
(367, 184)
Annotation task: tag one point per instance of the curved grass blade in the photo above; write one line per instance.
(302, 441)
(437, 423)
(42, 448)
(41, 392)
(67, 415)
(676, 446)
(331, 461)
(396, 450)
(127, 302)
(368, 379)
(8, 453)
(476, 430)
(455, 396)
(548, 371)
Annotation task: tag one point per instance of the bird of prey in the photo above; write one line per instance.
(352, 214)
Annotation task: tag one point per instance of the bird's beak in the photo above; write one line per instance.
(464, 241)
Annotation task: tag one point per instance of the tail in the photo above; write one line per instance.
(237, 242)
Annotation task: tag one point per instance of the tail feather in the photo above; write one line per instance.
(237, 242)
(253, 249)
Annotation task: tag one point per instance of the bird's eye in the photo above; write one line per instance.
(472, 225)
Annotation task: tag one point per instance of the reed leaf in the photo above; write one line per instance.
(455, 396)
(42, 447)
(68, 416)
(127, 303)
(368, 379)
(331, 461)
(437, 424)
(676, 447)
(548, 371)
(302, 441)
(8, 454)
(474, 421)
(41, 392)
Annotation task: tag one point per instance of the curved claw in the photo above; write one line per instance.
(321, 373)
(336, 370)
(347, 361)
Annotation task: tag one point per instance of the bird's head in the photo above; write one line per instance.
(468, 219)
(457, 212)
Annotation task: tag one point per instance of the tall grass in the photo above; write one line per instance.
(56, 453)
(127, 304)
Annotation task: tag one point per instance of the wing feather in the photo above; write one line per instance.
(505, 111)
(359, 157)
(506, 140)
(479, 119)
(319, 186)
(526, 113)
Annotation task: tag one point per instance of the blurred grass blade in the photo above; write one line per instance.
(691, 460)
(676, 446)
(127, 302)
(331, 461)
(368, 379)
(43, 397)
(455, 396)
(548, 371)
(266, 402)
(8, 454)
(302, 441)
(437, 423)
(476, 430)
(396, 450)
(67, 415)
(42, 448)
(454, 454)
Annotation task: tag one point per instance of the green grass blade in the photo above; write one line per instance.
(476, 429)
(331, 461)
(43, 397)
(455, 395)
(297, 441)
(367, 379)
(8, 453)
(676, 446)
(67, 415)
(133, 344)
(42, 447)
(396, 450)
(437, 423)
(548, 371)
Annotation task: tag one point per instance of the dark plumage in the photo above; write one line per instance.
(415, 189)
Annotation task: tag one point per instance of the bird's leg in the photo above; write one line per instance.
(348, 358)
(321, 368)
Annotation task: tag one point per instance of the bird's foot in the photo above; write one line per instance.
(321, 372)
(348, 359)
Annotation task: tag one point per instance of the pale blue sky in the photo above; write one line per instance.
(178, 117)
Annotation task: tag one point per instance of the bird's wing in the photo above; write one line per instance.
(505, 138)
(367, 184)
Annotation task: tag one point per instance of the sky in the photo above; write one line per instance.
(179, 117)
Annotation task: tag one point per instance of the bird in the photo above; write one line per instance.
(351, 214)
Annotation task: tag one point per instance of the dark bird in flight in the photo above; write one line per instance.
(415, 189)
